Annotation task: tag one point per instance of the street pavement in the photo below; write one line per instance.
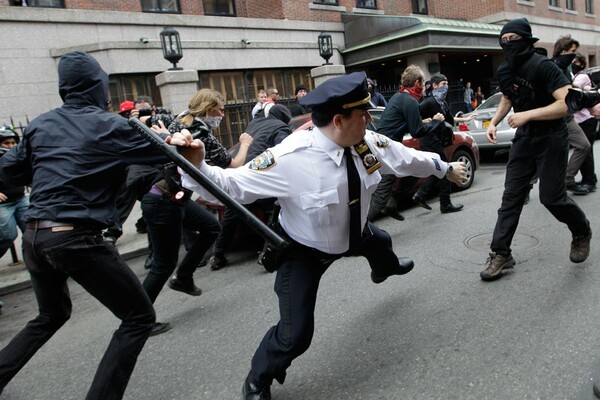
(438, 332)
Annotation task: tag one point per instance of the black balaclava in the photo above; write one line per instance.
(516, 52)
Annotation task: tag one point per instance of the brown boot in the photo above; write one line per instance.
(494, 266)
(580, 248)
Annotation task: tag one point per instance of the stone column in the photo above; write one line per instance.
(324, 72)
(177, 88)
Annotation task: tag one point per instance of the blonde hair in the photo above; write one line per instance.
(411, 75)
(200, 103)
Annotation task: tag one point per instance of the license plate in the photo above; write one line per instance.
(487, 123)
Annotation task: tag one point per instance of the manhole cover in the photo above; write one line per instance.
(521, 241)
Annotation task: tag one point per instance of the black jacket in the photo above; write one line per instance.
(75, 156)
(269, 131)
(402, 116)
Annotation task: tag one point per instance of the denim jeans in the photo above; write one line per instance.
(52, 257)
(166, 220)
(11, 216)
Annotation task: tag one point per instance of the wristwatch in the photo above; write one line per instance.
(450, 169)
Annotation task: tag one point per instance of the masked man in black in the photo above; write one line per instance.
(536, 88)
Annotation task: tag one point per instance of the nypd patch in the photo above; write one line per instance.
(263, 161)
(381, 141)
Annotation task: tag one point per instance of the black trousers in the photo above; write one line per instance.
(547, 155)
(445, 184)
(297, 282)
(52, 257)
(230, 222)
(166, 220)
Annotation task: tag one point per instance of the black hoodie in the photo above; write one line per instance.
(75, 156)
(269, 131)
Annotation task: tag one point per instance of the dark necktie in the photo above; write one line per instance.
(353, 200)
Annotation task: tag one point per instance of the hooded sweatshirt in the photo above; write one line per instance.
(75, 156)
(269, 131)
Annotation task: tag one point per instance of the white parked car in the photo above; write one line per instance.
(478, 126)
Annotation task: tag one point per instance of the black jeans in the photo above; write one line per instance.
(445, 184)
(166, 220)
(231, 220)
(547, 155)
(297, 282)
(52, 257)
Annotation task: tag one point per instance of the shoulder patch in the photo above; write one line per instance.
(381, 141)
(263, 161)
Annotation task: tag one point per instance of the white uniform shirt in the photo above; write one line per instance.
(308, 176)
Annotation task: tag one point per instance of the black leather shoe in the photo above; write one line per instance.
(577, 189)
(450, 208)
(393, 213)
(252, 391)
(590, 187)
(160, 327)
(418, 200)
(406, 265)
(184, 286)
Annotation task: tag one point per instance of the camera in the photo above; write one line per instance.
(578, 99)
(144, 40)
(145, 112)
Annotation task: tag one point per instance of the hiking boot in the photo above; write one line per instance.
(494, 266)
(580, 248)
(217, 261)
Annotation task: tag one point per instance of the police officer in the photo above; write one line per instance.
(323, 179)
(536, 88)
(72, 157)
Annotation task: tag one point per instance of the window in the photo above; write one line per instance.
(366, 4)
(161, 6)
(219, 7)
(553, 3)
(39, 3)
(570, 4)
(419, 7)
(589, 6)
(328, 2)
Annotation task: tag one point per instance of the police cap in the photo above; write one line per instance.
(339, 94)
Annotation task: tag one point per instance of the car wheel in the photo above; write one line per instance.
(466, 158)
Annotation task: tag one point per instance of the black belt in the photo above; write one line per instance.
(45, 224)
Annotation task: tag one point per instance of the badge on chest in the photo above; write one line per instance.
(368, 159)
